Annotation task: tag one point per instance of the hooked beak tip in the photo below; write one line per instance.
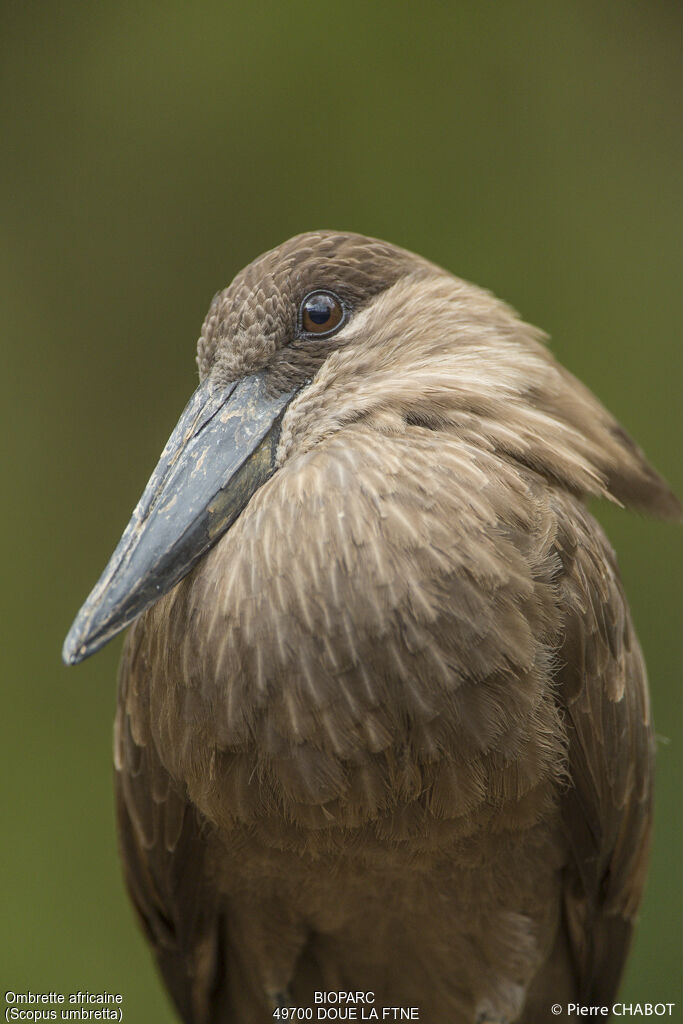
(74, 650)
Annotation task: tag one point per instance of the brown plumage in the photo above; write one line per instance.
(392, 731)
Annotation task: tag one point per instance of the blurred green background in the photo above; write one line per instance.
(149, 151)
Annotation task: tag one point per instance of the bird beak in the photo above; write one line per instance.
(221, 451)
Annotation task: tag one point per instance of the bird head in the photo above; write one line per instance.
(331, 329)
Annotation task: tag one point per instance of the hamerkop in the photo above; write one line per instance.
(383, 719)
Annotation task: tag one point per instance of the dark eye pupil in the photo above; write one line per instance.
(321, 313)
(320, 309)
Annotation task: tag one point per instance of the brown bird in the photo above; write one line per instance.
(383, 720)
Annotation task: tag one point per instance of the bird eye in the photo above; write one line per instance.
(321, 313)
